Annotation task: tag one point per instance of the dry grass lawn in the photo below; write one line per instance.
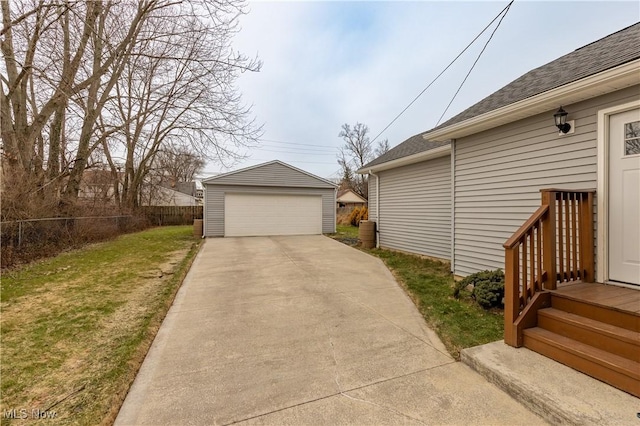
(75, 328)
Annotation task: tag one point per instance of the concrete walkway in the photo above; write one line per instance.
(303, 331)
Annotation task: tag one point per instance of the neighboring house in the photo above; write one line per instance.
(199, 190)
(348, 199)
(172, 193)
(273, 198)
(163, 196)
(97, 185)
(494, 160)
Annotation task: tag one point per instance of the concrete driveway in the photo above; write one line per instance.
(303, 331)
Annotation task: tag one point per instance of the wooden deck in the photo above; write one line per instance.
(605, 295)
(593, 328)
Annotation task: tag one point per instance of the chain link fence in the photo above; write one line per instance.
(30, 239)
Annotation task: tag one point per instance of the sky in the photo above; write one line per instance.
(327, 63)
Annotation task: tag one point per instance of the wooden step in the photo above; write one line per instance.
(617, 340)
(595, 311)
(615, 370)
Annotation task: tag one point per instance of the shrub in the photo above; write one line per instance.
(358, 214)
(488, 288)
(489, 294)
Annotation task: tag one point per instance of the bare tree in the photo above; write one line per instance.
(119, 78)
(382, 148)
(346, 180)
(358, 151)
(177, 90)
(179, 164)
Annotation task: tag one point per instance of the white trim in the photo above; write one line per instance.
(335, 219)
(377, 207)
(602, 274)
(625, 285)
(453, 205)
(441, 151)
(204, 212)
(613, 79)
(213, 178)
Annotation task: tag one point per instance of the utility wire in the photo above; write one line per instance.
(443, 71)
(506, 10)
(296, 153)
(295, 143)
(302, 149)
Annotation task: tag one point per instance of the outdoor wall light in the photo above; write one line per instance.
(561, 121)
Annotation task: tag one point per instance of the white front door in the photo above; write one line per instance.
(624, 197)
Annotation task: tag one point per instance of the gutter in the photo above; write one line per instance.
(613, 79)
(377, 207)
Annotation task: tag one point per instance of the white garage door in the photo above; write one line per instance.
(262, 214)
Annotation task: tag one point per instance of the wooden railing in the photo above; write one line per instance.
(554, 245)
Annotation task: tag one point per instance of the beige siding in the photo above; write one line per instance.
(214, 204)
(415, 208)
(499, 173)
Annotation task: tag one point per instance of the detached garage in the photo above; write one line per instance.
(268, 199)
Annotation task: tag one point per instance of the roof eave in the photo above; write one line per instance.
(604, 82)
(211, 180)
(410, 159)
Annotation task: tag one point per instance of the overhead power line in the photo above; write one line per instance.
(305, 150)
(475, 62)
(296, 143)
(297, 153)
(503, 11)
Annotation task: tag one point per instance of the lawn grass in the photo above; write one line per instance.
(76, 327)
(346, 231)
(459, 322)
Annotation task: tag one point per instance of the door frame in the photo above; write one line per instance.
(602, 256)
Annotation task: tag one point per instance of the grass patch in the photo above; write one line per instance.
(459, 322)
(76, 327)
(347, 231)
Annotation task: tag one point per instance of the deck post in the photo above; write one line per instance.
(549, 254)
(511, 295)
(587, 263)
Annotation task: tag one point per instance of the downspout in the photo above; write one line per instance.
(204, 211)
(377, 207)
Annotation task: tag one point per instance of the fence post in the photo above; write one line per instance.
(511, 295)
(549, 240)
(586, 238)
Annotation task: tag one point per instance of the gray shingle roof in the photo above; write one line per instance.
(413, 145)
(611, 51)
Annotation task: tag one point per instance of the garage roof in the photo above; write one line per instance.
(273, 173)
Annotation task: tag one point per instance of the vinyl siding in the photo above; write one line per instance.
(214, 204)
(499, 174)
(415, 208)
(372, 198)
(271, 174)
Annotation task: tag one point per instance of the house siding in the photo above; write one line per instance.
(214, 204)
(373, 198)
(499, 174)
(271, 174)
(415, 208)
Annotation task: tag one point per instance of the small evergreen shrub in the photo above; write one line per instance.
(488, 288)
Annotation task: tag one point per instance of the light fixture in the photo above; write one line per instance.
(561, 120)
